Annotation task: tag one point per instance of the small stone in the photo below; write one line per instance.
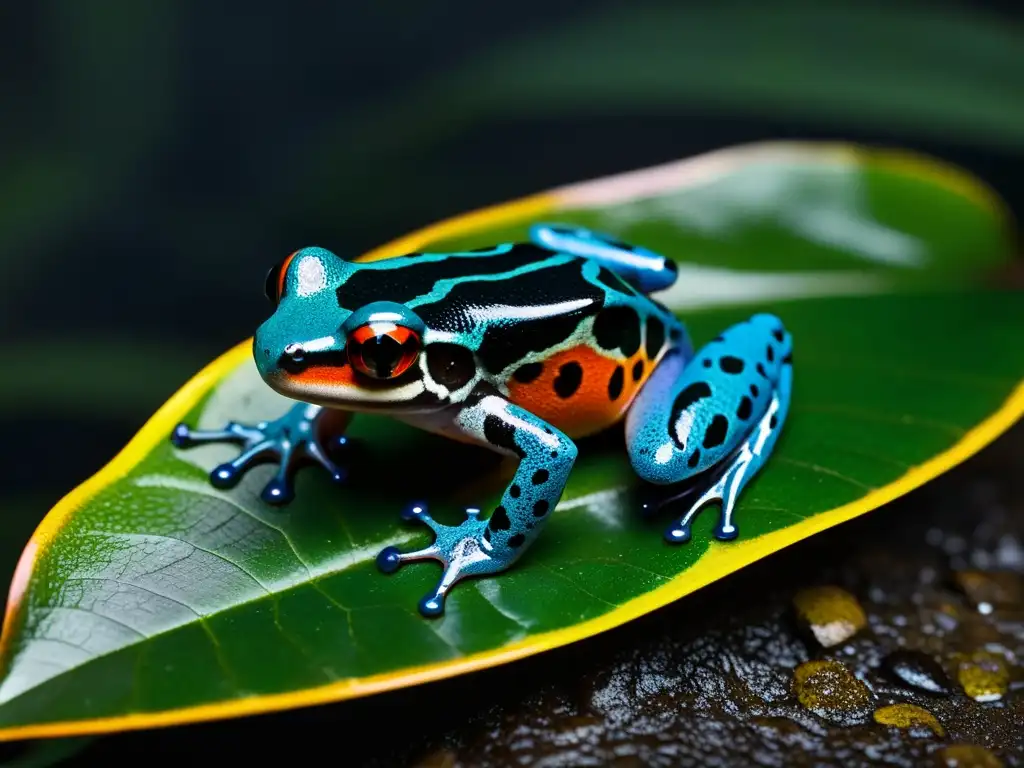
(988, 590)
(984, 676)
(830, 690)
(917, 670)
(831, 614)
(967, 756)
(908, 716)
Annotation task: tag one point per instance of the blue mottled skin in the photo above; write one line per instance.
(519, 348)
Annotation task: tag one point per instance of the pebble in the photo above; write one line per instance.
(984, 676)
(917, 670)
(908, 716)
(831, 614)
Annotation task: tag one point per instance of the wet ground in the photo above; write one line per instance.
(895, 639)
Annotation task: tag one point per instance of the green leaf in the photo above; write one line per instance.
(147, 597)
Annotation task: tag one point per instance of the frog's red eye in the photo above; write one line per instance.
(382, 350)
(273, 288)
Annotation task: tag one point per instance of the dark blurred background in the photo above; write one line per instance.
(157, 156)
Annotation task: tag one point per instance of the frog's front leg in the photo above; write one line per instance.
(711, 426)
(299, 436)
(478, 547)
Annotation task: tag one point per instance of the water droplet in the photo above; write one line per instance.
(917, 670)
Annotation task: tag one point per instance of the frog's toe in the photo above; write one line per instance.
(416, 512)
(315, 452)
(462, 550)
(726, 530)
(183, 436)
(278, 491)
(389, 559)
(228, 474)
(225, 476)
(678, 532)
(432, 605)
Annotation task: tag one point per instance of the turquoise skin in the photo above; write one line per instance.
(519, 348)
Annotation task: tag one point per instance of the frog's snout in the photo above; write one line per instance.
(292, 358)
(269, 357)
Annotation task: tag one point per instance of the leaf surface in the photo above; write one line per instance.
(147, 597)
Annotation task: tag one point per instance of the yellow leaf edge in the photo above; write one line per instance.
(726, 557)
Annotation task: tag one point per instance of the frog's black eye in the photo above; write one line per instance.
(273, 287)
(382, 350)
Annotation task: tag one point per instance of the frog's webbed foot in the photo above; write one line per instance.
(463, 550)
(723, 487)
(292, 440)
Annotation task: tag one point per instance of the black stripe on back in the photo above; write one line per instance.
(508, 341)
(404, 283)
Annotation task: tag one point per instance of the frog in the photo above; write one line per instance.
(523, 348)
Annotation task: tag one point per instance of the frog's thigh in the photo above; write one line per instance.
(688, 419)
(546, 457)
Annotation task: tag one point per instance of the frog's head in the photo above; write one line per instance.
(314, 350)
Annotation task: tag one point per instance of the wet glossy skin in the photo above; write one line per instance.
(519, 348)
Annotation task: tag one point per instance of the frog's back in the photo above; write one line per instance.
(595, 359)
(562, 336)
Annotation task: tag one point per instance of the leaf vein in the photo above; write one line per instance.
(164, 481)
(825, 471)
(576, 585)
(141, 587)
(219, 556)
(93, 613)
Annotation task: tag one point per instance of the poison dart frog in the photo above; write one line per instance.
(520, 348)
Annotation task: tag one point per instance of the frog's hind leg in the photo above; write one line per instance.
(292, 440)
(478, 547)
(709, 428)
(645, 270)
